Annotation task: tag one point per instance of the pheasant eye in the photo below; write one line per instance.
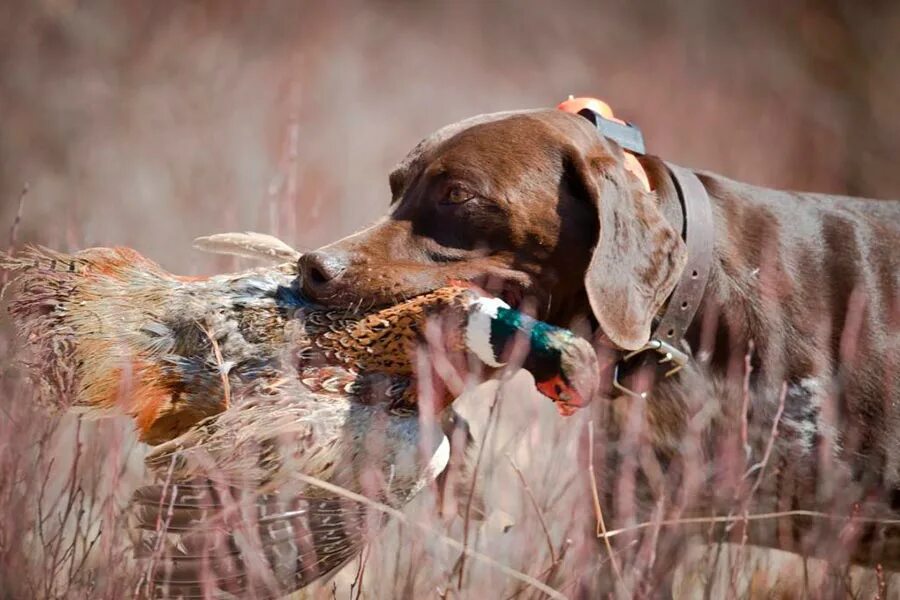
(458, 195)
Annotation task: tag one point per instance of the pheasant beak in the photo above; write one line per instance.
(566, 398)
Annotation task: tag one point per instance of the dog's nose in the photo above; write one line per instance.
(319, 268)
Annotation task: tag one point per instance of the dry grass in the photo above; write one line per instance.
(149, 126)
(66, 483)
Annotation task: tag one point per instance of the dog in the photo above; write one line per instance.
(793, 353)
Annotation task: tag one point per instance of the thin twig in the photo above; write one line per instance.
(14, 230)
(13, 234)
(761, 465)
(751, 517)
(220, 364)
(537, 508)
(360, 571)
(881, 587)
(547, 573)
(456, 545)
(70, 490)
(162, 526)
(598, 511)
(490, 420)
(745, 407)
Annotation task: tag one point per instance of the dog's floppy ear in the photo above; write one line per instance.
(638, 257)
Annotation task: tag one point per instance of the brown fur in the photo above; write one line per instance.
(805, 287)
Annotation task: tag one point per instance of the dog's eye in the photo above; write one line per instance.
(457, 195)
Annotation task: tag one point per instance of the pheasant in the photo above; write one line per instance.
(242, 386)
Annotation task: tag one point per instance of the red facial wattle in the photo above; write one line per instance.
(564, 396)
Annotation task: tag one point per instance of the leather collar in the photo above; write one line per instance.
(695, 220)
(697, 231)
(698, 235)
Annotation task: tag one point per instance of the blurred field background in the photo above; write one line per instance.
(147, 124)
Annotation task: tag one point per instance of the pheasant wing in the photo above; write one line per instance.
(200, 538)
(231, 515)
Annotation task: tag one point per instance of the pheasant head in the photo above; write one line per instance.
(455, 321)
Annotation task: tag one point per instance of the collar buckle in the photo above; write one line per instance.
(668, 353)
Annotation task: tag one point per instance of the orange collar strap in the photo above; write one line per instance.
(625, 134)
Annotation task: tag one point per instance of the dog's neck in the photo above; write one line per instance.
(662, 187)
(714, 334)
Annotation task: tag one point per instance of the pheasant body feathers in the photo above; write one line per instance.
(241, 385)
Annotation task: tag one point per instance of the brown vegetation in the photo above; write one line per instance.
(147, 124)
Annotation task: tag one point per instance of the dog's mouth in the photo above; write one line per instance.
(512, 293)
(515, 288)
(516, 291)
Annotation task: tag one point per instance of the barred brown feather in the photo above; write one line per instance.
(241, 385)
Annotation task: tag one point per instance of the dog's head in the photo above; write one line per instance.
(534, 206)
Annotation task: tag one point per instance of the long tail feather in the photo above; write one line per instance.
(108, 331)
(72, 311)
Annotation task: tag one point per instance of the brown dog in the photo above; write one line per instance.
(795, 347)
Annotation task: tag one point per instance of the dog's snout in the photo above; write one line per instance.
(319, 268)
